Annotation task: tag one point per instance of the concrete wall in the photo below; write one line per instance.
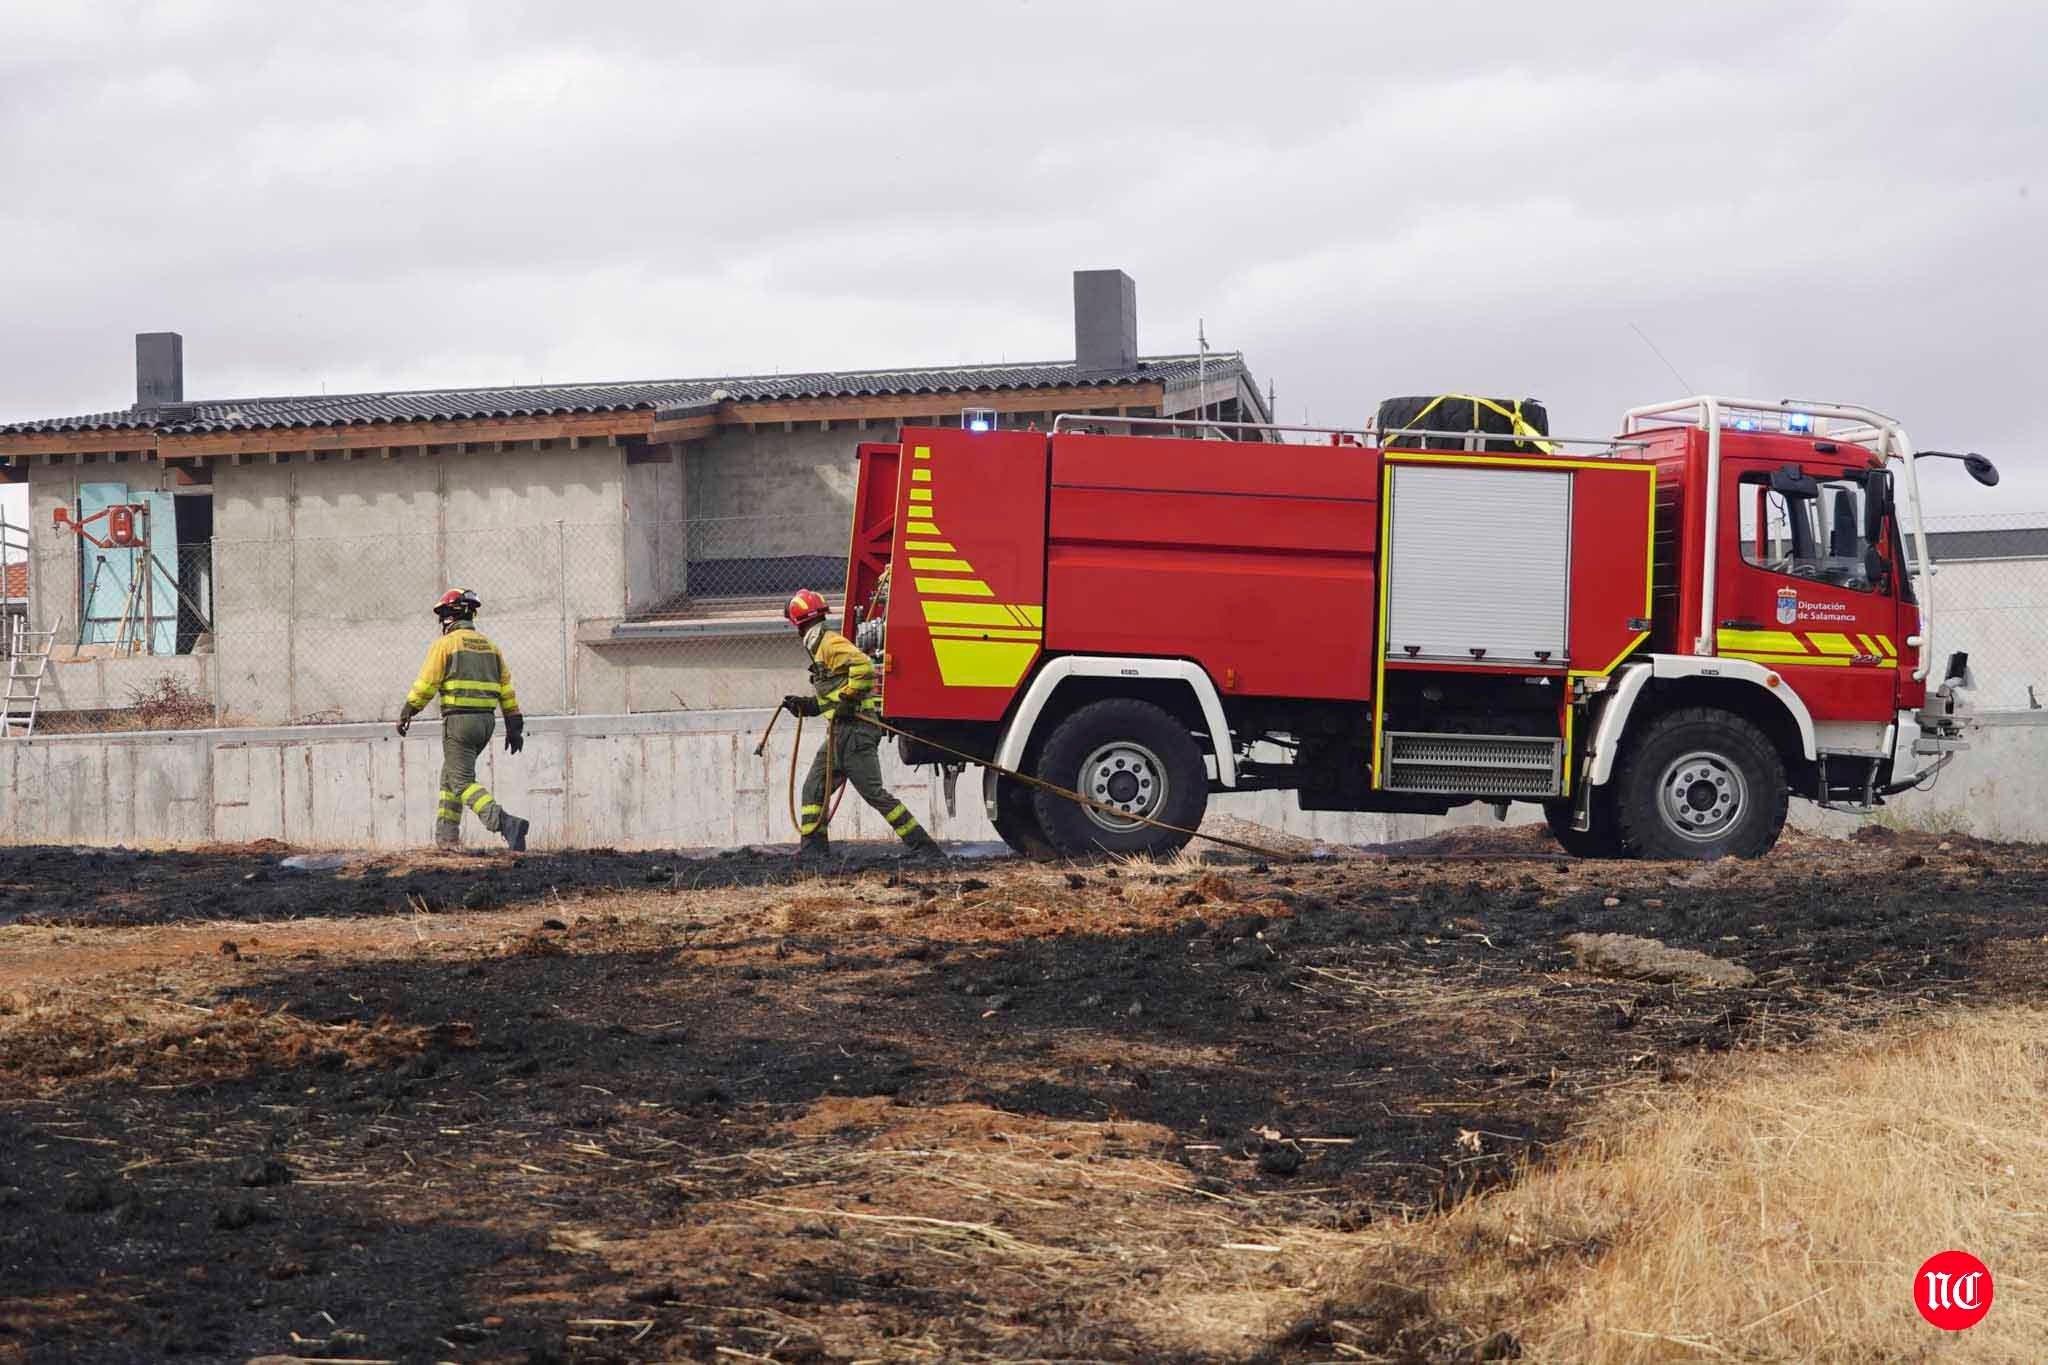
(783, 481)
(714, 673)
(656, 502)
(352, 552)
(687, 780)
(592, 781)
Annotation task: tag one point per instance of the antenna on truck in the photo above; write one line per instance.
(1661, 356)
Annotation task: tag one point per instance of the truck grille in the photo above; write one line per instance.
(1473, 765)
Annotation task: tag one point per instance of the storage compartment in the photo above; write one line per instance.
(1478, 565)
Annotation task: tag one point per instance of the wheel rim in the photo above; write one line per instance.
(1126, 776)
(1701, 796)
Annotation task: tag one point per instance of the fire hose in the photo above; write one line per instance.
(1026, 779)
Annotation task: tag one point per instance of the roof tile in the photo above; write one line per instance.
(668, 396)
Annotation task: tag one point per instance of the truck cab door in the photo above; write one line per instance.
(1805, 590)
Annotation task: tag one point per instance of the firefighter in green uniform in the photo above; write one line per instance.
(843, 681)
(472, 680)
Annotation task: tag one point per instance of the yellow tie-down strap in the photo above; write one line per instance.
(1518, 424)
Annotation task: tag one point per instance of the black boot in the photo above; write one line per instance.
(514, 829)
(921, 847)
(816, 848)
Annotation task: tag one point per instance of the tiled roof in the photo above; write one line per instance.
(670, 397)
(2025, 542)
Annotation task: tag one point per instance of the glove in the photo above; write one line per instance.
(515, 733)
(405, 716)
(798, 705)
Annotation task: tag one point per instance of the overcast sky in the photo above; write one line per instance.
(1833, 200)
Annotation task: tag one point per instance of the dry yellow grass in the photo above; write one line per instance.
(1778, 1215)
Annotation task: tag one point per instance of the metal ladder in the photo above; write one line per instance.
(28, 659)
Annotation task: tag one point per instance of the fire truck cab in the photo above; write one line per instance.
(1661, 638)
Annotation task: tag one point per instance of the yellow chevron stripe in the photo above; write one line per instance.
(922, 528)
(920, 476)
(983, 663)
(942, 565)
(1776, 641)
(1832, 642)
(954, 587)
(922, 452)
(1806, 660)
(944, 546)
(976, 614)
(920, 495)
(984, 633)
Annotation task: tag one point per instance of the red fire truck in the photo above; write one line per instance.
(1660, 638)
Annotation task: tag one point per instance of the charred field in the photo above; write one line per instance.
(599, 1106)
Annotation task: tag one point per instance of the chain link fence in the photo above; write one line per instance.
(608, 618)
(593, 618)
(1990, 600)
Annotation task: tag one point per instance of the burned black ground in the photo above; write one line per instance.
(501, 1129)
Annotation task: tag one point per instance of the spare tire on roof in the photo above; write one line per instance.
(1522, 420)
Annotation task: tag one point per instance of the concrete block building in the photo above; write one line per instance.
(632, 541)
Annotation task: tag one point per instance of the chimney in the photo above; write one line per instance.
(159, 369)
(1105, 320)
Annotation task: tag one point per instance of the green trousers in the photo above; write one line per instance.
(464, 735)
(854, 756)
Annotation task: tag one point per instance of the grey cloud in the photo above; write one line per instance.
(1841, 200)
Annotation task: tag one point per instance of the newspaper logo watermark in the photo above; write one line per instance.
(1952, 1290)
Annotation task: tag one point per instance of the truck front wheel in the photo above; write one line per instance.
(1135, 760)
(1701, 783)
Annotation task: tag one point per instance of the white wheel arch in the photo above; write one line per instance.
(1010, 753)
(1627, 686)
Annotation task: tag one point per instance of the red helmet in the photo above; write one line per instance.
(457, 604)
(806, 609)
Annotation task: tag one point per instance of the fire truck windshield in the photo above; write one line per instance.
(1815, 535)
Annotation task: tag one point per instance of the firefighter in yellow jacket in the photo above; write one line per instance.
(843, 684)
(471, 678)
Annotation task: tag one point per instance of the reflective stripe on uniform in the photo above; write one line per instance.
(900, 819)
(449, 808)
(475, 797)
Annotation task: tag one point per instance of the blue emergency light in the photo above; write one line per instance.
(978, 419)
(1800, 422)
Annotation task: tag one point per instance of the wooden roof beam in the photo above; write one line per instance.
(76, 442)
(905, 405)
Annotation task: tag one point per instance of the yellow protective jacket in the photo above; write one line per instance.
(842, 675)
(467, 673)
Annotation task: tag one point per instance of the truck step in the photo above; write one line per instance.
(1473, 765)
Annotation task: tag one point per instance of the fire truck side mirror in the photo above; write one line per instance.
(1877, 504)
(1958, 671)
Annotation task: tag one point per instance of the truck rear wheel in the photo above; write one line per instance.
(1601, 840)
(1701, 783)
(1017, 822)
(1130, 756)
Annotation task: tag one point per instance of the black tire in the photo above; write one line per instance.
(1602, 840)
(1017, 822)
(1700, 783)
(1133, 754)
